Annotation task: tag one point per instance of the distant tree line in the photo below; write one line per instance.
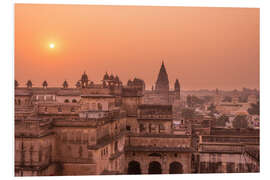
(194, 100)
(254, 109)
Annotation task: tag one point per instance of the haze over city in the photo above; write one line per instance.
(204, 48)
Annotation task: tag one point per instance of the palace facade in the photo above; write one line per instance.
(111, 128)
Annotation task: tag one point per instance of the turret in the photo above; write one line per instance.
(45, 84)
(177, 85)
(84, 80)
(78, 84)
(29, 84)
(65, 84)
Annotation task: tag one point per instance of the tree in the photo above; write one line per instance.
(189, 101)
(194, 100)
(227, 99)
(240, 121)
(187, 113)
(212, 108)
(254, 109)
(222, 120)
(243, 99)
(207, 99)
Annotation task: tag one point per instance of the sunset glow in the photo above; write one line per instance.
(203, 47)
(52, 45)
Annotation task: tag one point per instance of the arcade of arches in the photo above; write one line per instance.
(154, 167)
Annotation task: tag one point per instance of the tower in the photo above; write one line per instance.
(84, 80)
(162, 83)
(177, 88)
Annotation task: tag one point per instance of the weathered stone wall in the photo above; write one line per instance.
(226, 163)
(159, 141)
(129, 104)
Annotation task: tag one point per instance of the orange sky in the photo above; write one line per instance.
(203, 47)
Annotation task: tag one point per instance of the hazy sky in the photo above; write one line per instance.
(202, 47)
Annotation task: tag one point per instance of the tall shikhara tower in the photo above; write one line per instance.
(162, 83)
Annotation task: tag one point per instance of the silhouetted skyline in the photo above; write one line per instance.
(205, 48)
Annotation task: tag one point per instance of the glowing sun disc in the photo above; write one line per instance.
(52, 45)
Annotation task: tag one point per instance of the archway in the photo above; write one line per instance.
(134, 167)
(176, 168)
(154, 168)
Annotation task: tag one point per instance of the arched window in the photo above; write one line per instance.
(128, 128)
(99, 107)
(72, 109)
(74, 100)
(176, 168)
(59, 109)
(154, 168)
(66, 101)
(142, 128)
(134, 167)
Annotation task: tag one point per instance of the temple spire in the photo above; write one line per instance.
(162, 83)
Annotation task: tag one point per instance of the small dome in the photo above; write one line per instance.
(45, 84)
(78, 84)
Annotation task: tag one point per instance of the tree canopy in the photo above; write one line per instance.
(240, 121)
(188, 113)
(222, 120)
(254, 109)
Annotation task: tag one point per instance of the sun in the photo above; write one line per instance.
(51, 45)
